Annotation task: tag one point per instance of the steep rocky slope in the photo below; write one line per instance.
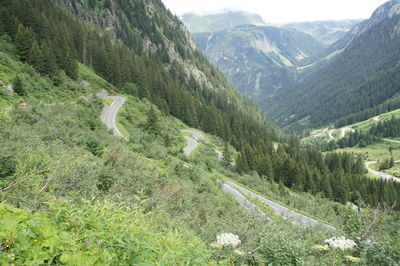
(362, 76)
(258, 60)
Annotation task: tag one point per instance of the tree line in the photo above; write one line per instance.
(339, 176)
(52, 41)
(382, 129)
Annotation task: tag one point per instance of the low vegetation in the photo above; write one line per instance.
(71, 193)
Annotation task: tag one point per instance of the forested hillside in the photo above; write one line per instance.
(258, 60)
(73, 194)
(356, 84)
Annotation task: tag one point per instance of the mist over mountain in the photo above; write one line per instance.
(326, 32)
(216, 22)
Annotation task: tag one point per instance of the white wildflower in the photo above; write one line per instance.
(352, 259)
(341, 243)
(228, 239)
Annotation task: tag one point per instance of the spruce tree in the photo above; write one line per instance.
(35, 58)
(152, 124)
(49, 63)
(18, 86)
(391, 164)
(92, 3)
(24, 40)
(226, 153)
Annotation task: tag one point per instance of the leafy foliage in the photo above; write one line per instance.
(92, 233)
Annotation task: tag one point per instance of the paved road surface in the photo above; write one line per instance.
(391, 140)
(330, 132)
(344, 129)
(110, 112)
(245, 203)
(235, 190)
(284, 212)
(376, 118)
(381, 175)
(192, 143)
(196, 134)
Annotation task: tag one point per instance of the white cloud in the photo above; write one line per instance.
(279, 11)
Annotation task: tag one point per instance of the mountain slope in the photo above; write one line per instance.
(87, 197)
(385, 11)
(258, 60)
(326, 32)
(167, 67)
(217, 22)
(363, 76)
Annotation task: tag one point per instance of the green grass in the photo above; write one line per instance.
(321, 135)
(258, 203)
(96, 82)
(365, 125)
(108, 101)
(377, 151)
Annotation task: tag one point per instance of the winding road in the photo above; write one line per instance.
(381, 175)
(236, 191)
(110, 112)
(108, 118)
(344, 129)
(330, 132)
(392, 140)
(292, 216)
(192, 142)
(245, 203)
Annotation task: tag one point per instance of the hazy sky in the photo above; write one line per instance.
(279, 11)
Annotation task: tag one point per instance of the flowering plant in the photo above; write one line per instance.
(228, 239)
(353, 259)
(341, 243)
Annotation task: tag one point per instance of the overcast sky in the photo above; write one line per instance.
(280, 11)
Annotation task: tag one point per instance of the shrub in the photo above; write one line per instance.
(98, 233)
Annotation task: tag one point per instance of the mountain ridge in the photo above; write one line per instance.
(258, 59)
(220, 21)
(366, 65)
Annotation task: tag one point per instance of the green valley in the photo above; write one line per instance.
(99, 102)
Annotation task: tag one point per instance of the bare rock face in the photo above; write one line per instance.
(85, 83)
(10, 89)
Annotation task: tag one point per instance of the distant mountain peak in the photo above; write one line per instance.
(385, 11)
(220, 21)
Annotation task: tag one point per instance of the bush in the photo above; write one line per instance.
(98, 233)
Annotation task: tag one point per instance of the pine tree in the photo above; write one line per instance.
(92, 3)
(35, 57)
(2, 27)
(152, 124)
(18, 86)
(227, 153)
(391, 164)
(49, 63)
(70, 66)
(9, 22)
(24, 40)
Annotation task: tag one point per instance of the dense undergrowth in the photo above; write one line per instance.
(73, 194)
(85, 197)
